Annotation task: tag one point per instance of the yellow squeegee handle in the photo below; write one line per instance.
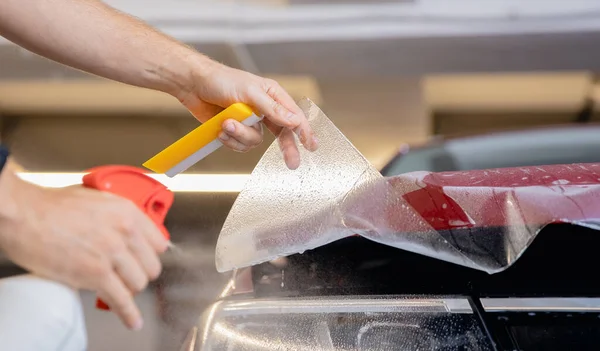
(203, 136)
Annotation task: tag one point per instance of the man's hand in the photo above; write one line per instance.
(84, 238)
(214, 86)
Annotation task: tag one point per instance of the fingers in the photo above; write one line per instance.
(277, 106)
(303, 130)
(133, 268)
(146, 256)
(135, 262)
(288, 147)
(116, 294)
(259, 129)
(130, 271)
(149, 231)
(287, 144)
(239, 137)
(143, 242)
(273, 128)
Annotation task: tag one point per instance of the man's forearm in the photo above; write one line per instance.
(93, 37)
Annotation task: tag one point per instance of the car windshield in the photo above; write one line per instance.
(511, 149)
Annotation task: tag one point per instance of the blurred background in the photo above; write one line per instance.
(391, 74)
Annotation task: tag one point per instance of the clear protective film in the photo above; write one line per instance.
(281, 211)
(482, 219)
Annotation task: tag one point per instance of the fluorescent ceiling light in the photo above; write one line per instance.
(211, 183)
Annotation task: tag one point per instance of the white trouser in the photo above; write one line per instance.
(40, 315)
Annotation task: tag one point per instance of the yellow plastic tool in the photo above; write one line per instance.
(199, 143)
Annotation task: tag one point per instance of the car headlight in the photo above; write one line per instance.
(340, 323)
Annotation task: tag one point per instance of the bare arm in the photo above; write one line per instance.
(94, 37)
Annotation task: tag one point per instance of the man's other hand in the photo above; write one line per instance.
(84, 238)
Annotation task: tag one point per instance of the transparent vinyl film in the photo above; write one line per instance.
(483, 219)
